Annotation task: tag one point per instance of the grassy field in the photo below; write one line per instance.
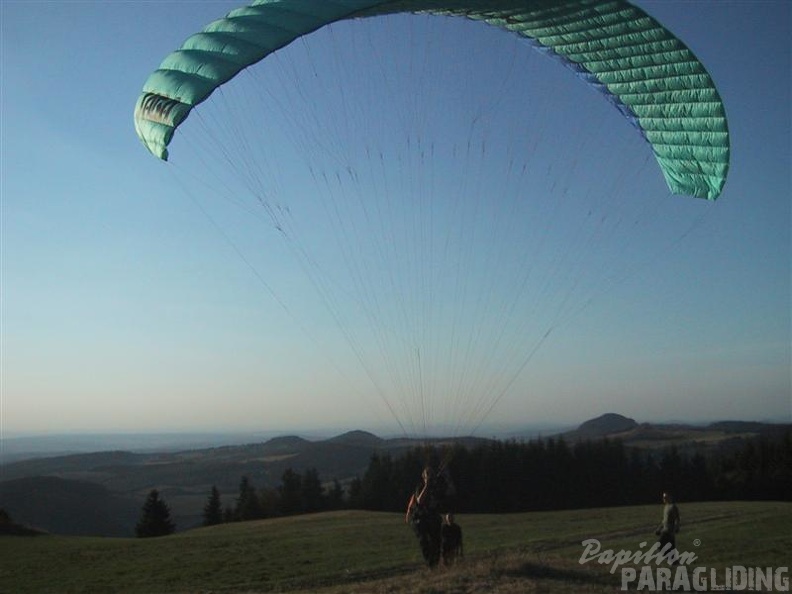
(362, 552)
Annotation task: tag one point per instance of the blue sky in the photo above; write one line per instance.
(133, 299)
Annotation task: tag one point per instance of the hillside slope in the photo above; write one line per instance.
(365, 552)
(40, 502)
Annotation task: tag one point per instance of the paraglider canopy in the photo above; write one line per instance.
(641, 67)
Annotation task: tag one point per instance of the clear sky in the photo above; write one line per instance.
(135, 299)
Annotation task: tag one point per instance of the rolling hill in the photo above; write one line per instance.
(184, 478)
(58, 493)
(39, 502)
(660, 435)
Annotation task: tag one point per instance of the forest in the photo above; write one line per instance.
(537, 475)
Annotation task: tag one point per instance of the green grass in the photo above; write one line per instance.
(375, 552)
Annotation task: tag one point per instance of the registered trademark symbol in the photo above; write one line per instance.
(696, 542)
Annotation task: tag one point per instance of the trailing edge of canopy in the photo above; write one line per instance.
(647, 73)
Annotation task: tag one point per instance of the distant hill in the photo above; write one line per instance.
(602, 426)
(16, 448)
(183, 478)
(102, 493)
(39, 502)
(287, 443)
(661, 435)
(358, 438)
(743, 427)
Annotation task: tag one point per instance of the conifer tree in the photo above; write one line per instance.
(290, 492)
(311, 491)
(269, 500)
(356, 493)
(213, 510)
(335, 496)
(155, 518)
(247, 504)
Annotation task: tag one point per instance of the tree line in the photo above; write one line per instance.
(297, 494)
(552, 474)
(516, 476)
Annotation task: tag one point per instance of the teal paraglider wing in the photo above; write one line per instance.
(642, 68)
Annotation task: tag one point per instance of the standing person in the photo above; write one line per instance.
(669, 527)
(451, 539)
(424, 512)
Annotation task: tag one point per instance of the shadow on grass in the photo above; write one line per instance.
(539, 571)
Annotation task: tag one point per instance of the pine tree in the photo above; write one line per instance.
(335, 496)
(155, 519)
(356, 493)
(213, 510)
(311, 491)
(269, 500)
(290, 493)
(247, 504)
